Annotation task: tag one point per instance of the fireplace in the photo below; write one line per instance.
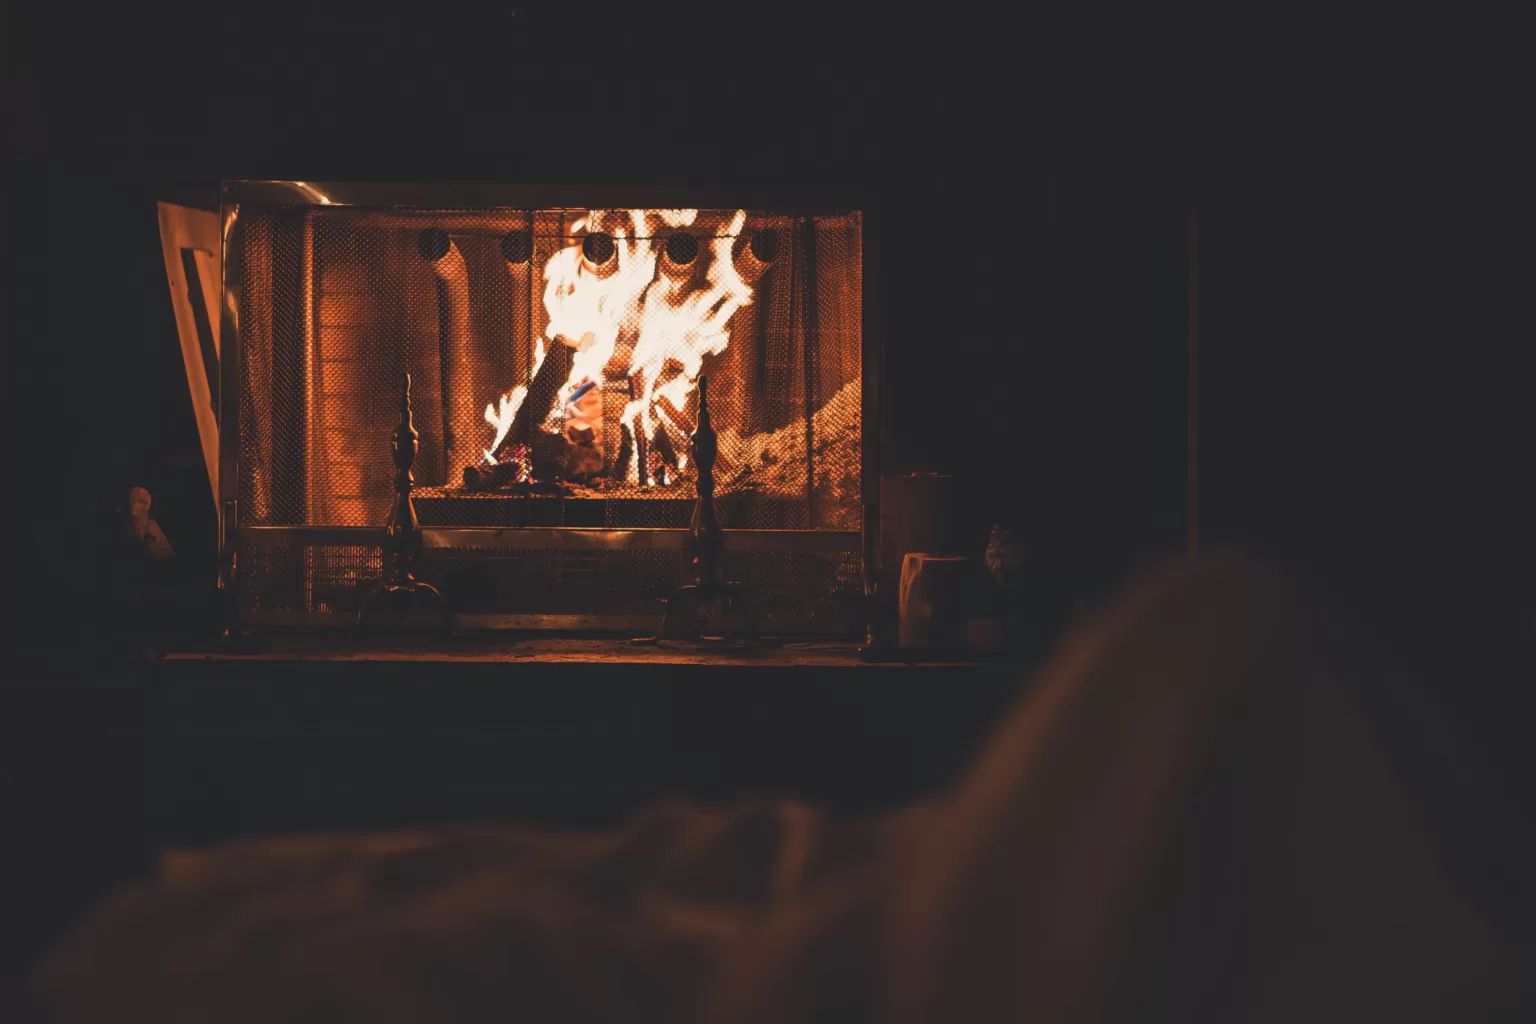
(554, 339)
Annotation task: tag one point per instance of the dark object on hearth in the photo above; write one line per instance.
(935, 602)
(918, 512)
(154, 600)
(1012, 590)
(401, 592)
(682, 248)
(145, 530)
(765, 245)
(691, 609)
(517, 246)
(597, 247)
(1005, 556)
(140, 552)
(433, 244)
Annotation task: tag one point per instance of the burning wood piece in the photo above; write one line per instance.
(553, 458)
(664, 458)
(492, 477)
(556, 457)
(543, 391)
(642, 454)
(620, 466)
(549, 455)
(583, 462)
(615, 396)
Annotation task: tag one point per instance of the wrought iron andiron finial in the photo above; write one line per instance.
(704, 534)
(689, 609)
(400, 590)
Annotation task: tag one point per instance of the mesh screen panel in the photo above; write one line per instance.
(307, 578)
(337, 303)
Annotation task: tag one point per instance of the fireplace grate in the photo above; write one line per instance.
(311, 584)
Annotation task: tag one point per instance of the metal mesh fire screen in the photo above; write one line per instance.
(554, 356)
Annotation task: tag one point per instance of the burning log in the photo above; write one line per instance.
(557, 458)
(615, 442)
(642, 455)
(583, 462)
(665, 458)
(492, 477)
(543, 392)
(619, 466)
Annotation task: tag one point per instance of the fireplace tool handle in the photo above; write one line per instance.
(400, 591)
(689, 607)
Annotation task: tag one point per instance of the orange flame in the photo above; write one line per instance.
(501, 419)
(670, 321)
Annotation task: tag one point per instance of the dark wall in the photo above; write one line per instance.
(1307, 357)
(1493, 374)
(23, 307)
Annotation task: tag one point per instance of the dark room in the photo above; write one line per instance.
(766, 513)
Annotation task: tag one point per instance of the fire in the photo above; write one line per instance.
(501, 419)
(662, 315)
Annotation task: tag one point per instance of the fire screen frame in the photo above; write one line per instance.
(234, 537)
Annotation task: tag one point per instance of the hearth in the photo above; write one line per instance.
(555, 340)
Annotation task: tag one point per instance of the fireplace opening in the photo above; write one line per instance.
(555, 355)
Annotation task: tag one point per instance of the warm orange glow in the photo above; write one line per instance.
(667, 317)
(313, 193)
